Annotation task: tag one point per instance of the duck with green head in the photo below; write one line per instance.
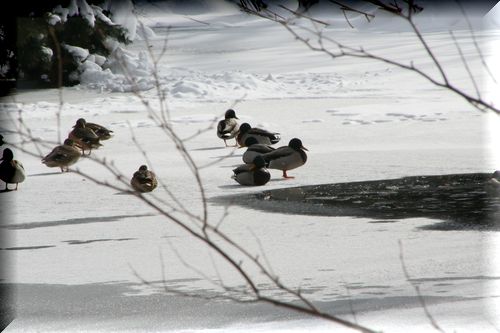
(261, 135)
(252, 174)
(228, 127)
(287, 157)
(11, 170)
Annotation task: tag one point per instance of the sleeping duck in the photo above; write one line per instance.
(228, 127)
(102, 132)
(11, 170)
(84, 137)
(254, 149)
(253, 174)
(144, 180)
(262, 136)
(62, 156)
(287, 157)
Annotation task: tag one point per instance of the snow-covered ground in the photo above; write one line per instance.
(71, 247)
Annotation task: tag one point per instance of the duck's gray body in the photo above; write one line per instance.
(228, 127)
(253, 174)
(262, 136)
(102, 132)
(287, 157)
(62, 156)
(11, 170)
(254, 149)
(84, 137)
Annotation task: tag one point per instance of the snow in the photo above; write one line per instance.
(122, 14)
(72, 246)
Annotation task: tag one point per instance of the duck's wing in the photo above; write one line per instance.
(273, 136)
(227, 128)
(19, 174)
(263, 132)
(102, 132)
(261, 148)
(278, 153)
(242, 168)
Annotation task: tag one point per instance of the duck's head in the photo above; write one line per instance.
(496, 175)
(259, 162)
(8, 155)
(80, 123)
(250, 141)
(245, 127)
(296, 144)
(143, 168)
(230, 114)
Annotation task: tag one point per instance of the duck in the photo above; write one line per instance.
(252, 174)
(144, 180)
(11, 170)
(494, 181)
(261, 135)
(228, 127)
(102, 132)
(62, 156)
(254, 149)
(287, 157)
(84, 137)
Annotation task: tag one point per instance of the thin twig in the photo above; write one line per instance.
(466, 65)
(417, 290)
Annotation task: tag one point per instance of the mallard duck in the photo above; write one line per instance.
(228, 127)
(144, 180)
(84, 137)
(287, 157)
(262, 136)
(11, 170)
(62, 156)
(102, 132)
(254, 149)
(253, 174)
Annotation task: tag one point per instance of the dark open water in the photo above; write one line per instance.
(459, 201)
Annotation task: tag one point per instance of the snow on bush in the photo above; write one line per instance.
(121, 72)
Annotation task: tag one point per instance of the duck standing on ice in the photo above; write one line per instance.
(84, 137)
(253, 174)
(228, 127)
(287, 157)
(62, 156)
(144, 180)
(11, 170)
(102, 132)
(261, 135)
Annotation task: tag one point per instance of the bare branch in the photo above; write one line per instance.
(466, 65)
(417, 290)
